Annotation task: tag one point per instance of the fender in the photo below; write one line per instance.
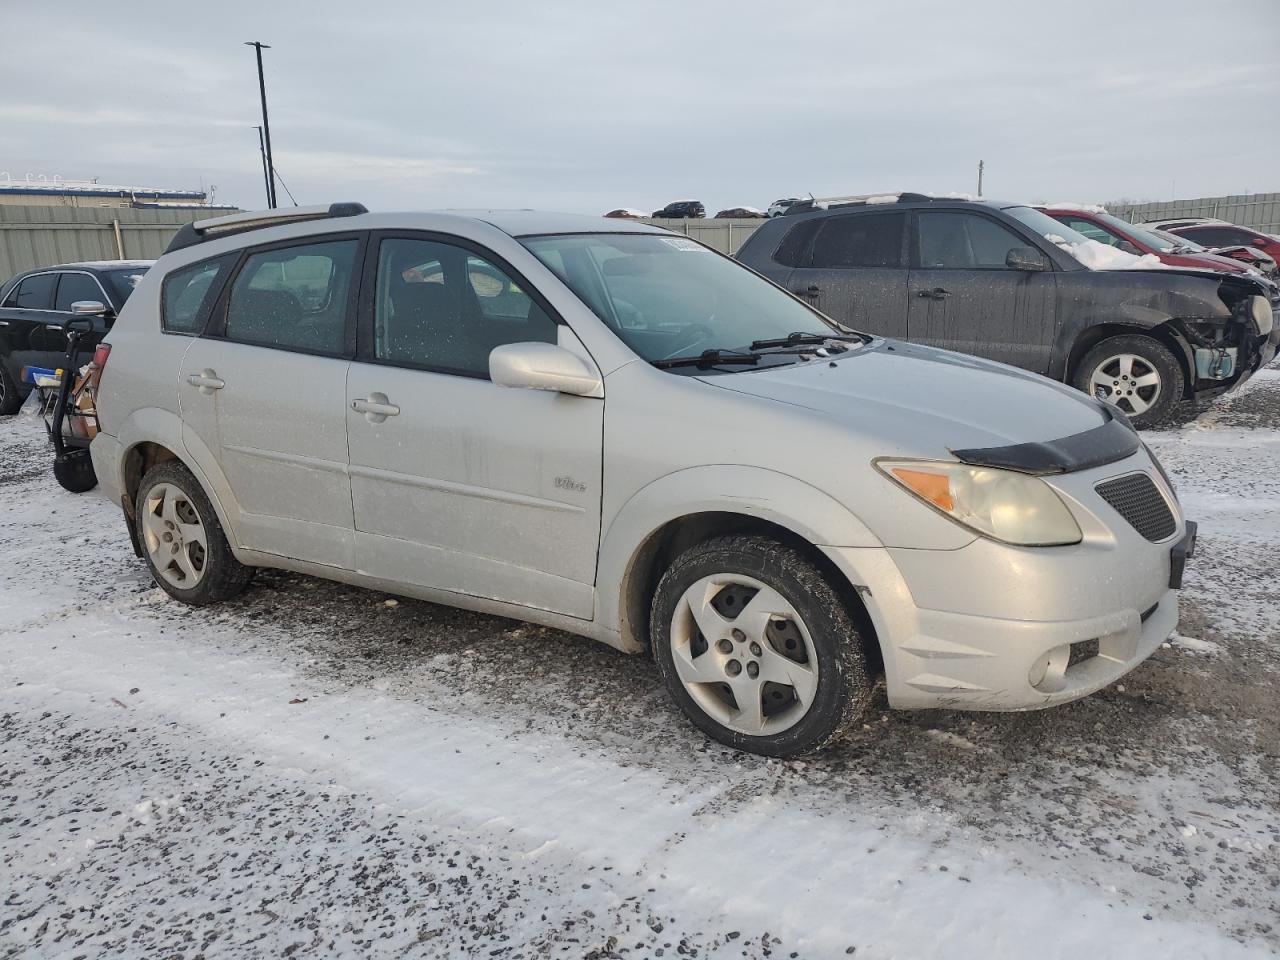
(156, 425)
(723, 488)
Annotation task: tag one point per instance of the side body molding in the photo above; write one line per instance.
(724, 488)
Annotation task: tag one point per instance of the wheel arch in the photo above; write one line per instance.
(689, 506)
(1166, 334)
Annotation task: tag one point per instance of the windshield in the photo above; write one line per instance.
(667, 296)
(1179, 243)
(123, 281)
(1046, 226)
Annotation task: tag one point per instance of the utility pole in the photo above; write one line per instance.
(266, 125)
(980, 166)
(266, 177)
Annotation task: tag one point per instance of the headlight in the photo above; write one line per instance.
(1000, 504)
(1260, 307)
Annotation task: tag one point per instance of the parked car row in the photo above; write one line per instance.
(686, 210)
(1012, 283)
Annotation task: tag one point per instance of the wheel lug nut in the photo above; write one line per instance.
(733, 668)
(724, 646)
(738, 635)
(753, 669)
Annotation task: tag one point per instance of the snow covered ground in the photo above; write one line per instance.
(314, 770)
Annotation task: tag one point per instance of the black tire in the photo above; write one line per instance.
(223, 575)
(844, 689)
(1156, 356)
(74, 471)
(11, 396)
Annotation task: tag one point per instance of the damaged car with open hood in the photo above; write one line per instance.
(606, 428)
(1008, 282)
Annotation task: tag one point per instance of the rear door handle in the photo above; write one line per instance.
(937, 293)
(376, 407)
(810, 291)
(207, 381)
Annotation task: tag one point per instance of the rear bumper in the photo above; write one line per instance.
(105, 451)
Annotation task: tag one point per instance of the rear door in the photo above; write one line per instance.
(963, 296)
(855, 271)
(264, 393)
(31, 332)
(459, 484)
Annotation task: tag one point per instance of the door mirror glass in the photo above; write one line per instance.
(88, 308)
(1025, 258)
(543, 366)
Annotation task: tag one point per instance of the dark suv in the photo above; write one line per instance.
(35, 305)
(682, 210)
(1006, 282)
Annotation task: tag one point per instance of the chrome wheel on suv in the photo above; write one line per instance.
(1136, 373)
(757, 647)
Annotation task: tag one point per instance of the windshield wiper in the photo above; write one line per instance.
(800, 337)
(707, 359)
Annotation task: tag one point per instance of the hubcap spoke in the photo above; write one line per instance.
(192, 533)
(750, 713)
(1126, 365)
(776, 668)
(708, 619)
(707, 667)
(755, 616)
(1151, 379)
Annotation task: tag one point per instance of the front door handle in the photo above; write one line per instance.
(809, 291)
(937, 293)
(376, 407)
(207, 381)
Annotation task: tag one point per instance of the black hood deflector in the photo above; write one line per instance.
(1114, 440)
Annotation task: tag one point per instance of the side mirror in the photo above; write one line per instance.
(1026, 258)
(88, 308)
(543, 366)
(1128, 247)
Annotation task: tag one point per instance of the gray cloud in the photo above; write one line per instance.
(585, 106)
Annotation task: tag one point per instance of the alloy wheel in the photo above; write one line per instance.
(1127, 381)
(744, 654)
(174, 536)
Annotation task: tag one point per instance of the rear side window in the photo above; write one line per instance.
(33, 293)
(964, 241)
(793, 251)
(73, 287)
(185, 298)
(294, 298)
(864, 240)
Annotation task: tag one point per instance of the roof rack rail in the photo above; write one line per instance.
(823, 203)
(201, 230)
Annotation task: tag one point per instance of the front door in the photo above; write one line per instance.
(264, 392)
(459, 484)
(963, 296)
(855, 272)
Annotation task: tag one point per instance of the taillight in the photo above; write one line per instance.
(100, 354)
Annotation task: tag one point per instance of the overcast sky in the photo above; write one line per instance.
(588, 106)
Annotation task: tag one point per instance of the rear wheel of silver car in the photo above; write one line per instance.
(1137, 374)
(182, 539)
(757, 647)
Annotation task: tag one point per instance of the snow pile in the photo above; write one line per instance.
(1100, 256)
(1080, 207)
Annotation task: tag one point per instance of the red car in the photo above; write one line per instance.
(1096, 224)
(1241, 241)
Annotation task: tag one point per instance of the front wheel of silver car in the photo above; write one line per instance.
(182, 539)
(757, 647)
(1137, 374)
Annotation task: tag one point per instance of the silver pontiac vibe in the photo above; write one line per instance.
(606, 428)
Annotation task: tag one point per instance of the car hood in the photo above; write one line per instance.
(922, 401)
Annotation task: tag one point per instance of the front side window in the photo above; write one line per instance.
(964, 241)
(294, 298)
(75, 287)
(863, 240)
(1087, 228)
(441, 307)
(33, 293)
(667, 296)
(186, 295)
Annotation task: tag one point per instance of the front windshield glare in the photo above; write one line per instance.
(667, 296)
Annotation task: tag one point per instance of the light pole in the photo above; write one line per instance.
(266, 125)
(262, 150)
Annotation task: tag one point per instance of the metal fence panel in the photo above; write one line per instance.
(723, 235)
(33, 237)
(1259, 211)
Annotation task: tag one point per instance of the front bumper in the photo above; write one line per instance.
(997, 627)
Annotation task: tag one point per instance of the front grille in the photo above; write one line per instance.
(1136, 498)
